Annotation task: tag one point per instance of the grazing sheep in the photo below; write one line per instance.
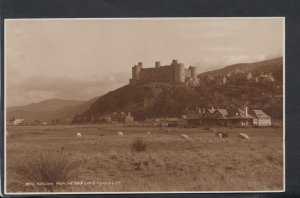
(120, 133)
(220, 135)
(78, 135)
(148, 132)
(168, 130)
(243, 136)
(184, 136)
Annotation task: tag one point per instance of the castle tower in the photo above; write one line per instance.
(157, 64)
(193, 72)
(174, 62)
(179, 72)
(136, 71)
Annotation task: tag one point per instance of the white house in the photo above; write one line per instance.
(18, 121)
(261, 118)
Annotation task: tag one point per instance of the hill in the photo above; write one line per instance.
(172, 100)
(273, 65)
(47, 110)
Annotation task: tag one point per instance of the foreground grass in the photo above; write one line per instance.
(41, 171)
(168, 162)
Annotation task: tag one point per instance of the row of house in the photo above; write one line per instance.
(232, 77)
(219, 117)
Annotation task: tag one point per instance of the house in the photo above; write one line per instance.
(224, 80)
(261, 118)
(215, 117)
(249, 76)
(240, 118)
(190, 120)
(18, 121)
(172, 121)
(128, 118)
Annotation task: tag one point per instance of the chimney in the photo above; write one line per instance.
(246, 111)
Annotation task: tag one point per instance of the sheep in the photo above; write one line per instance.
(78, 135)
(148, 132)
(168, 130)
(184, 136)
(220, 135)
(120, 133)
(243, 136)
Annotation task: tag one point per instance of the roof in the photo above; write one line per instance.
(211, 110)
(259, 113)
(172, 119)
(193, 116)
(242, 114)
(223, 112)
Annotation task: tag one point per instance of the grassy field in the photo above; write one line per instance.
(168, 162)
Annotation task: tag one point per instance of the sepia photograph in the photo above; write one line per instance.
(144, 105)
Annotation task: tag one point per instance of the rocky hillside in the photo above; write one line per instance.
(171, 99)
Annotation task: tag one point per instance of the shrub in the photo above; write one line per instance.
(49, 167)
(139, 145)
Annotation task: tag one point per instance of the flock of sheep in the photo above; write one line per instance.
(219, 134)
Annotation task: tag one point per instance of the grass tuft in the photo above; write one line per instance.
(139, 145)
(53, 167)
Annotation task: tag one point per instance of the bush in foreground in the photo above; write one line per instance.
(139, 145)
(48, 167)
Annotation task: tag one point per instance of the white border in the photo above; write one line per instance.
(157, 192)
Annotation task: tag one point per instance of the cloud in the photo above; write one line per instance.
(35, 88)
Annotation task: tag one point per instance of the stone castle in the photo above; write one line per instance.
(175, 72)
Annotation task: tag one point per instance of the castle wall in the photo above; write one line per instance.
(188, 73)
(175, 72)
(159, 74)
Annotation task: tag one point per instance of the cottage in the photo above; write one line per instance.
(172, 121)
(128, 118)
(18, 121)
(261, 118)
(249, 76)
(191, 120)
(240, 118)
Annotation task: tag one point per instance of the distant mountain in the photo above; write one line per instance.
(157, 99)
(50, 109)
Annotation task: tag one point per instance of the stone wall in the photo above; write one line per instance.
(160, 74)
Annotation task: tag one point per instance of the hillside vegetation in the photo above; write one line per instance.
(173, 100)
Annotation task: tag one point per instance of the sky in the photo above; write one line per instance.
(84, 58)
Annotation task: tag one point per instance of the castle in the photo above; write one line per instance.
(175, 72)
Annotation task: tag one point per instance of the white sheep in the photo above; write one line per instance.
(184, 136)
(148, 132)
(120, 133)
(243, 136)
(78, 135)
(220, 136)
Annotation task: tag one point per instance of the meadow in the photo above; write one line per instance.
(103, 161)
